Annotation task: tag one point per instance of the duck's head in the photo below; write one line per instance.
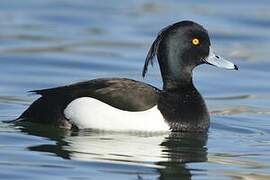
(181, 47)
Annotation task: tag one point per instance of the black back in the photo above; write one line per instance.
(124, 94)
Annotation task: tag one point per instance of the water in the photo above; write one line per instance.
(55, 42)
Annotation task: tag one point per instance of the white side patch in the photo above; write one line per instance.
(91, 113)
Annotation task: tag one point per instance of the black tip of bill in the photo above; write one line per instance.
(235, 67)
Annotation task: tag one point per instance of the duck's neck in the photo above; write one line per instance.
(180, 81)
(175, 72)
(176, 77)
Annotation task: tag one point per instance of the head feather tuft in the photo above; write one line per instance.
(154, 50)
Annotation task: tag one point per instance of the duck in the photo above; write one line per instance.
(121, 104)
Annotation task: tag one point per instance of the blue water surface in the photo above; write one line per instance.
(55, 42)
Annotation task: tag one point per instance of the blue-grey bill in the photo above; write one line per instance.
(219, 61)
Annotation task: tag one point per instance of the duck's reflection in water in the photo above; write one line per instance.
(167, 153)
(182, 148)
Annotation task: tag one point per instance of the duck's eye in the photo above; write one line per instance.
(195, 41)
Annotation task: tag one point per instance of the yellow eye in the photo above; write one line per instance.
(195, 41)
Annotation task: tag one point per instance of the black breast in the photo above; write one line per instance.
(184, 109)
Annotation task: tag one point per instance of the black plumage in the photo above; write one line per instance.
(124, 94)
(181, 105)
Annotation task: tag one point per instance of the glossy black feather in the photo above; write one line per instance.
(124, 94)
(182, 107)
(154, 49)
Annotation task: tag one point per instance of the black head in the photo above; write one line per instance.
(180, 47)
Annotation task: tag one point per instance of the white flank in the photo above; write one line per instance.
(91, 113)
